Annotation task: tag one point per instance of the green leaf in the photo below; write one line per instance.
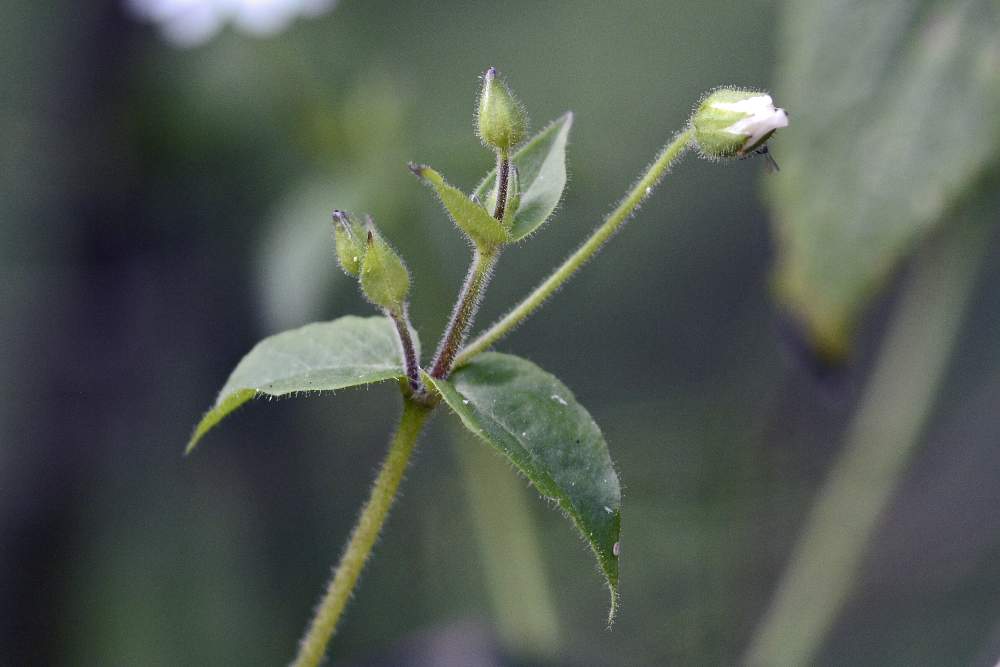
(468, 215)
(323, 356)
(893, 108)
(534, 421)
(541, 167)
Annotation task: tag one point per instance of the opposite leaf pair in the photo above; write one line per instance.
(525, 413)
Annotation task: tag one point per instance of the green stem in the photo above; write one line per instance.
(363, 537)
(640, 191)
(465, 311)
(884, 433)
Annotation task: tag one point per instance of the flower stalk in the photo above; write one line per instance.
(643, 188)
(411, 364)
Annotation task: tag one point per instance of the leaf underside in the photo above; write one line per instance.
(534, 420)
(324, 356)
(888, 136)
(541, 167)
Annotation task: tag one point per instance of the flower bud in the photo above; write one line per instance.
(350, 237)
(501, 121)
(734, 123)
(384, 278)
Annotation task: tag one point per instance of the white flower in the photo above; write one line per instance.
(189, 23)
(762, 118)
(730, 122)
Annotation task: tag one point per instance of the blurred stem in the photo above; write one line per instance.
(507, 537)
(464, 313)
(884, 433)
(363, 537)
(638, 194)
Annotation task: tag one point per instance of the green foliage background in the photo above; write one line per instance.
(161, 210)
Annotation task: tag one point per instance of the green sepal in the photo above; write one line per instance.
(469, 216)
(385, 282)
(350, 237)
(710, 124)
(500, 118)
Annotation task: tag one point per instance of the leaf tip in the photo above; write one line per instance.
(418, 170)
(196, 437)
(613, 612)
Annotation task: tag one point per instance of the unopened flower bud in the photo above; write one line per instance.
(734, 123)
(350, 237)
(384, 278)
(501, 121)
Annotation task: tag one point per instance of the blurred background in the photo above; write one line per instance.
(165, 191)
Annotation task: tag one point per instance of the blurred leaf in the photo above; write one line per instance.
(468, 215)
(533, 419)
(323, 356)
(894, 109)
(541, 167)
(295, 257)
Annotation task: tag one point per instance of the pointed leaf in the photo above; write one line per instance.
(324, 356)
(468, 215)
(893, 109)
(541, 167)
(534, 421)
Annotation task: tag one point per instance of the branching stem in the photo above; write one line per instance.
(639, 192)
(416, 410)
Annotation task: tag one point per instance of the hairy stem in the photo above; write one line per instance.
(410, 361)
(363, 537)
(882, 436)
(503, 178)
(465, 311)
(639, 192)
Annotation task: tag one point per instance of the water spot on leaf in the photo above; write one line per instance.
(559, 399)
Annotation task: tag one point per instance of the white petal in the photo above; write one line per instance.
(750, 105)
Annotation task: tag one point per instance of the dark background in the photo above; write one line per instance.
(162, 209)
